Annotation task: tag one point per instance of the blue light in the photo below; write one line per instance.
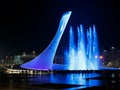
(44, 61)
(82, 56)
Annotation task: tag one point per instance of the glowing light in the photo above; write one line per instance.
(112, 48)
(44, 61)
(82, 56)
(101, 57)
(105, 50)
(96, 56)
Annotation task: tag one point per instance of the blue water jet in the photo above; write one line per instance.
(83, 54)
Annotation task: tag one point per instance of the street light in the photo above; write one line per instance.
(101, 57)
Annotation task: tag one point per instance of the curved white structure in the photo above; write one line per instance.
(44, 61)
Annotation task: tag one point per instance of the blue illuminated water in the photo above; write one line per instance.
(28, 82)
(68, 78)
(59, 81)
(83, 54)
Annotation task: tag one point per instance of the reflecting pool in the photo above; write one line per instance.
(69, 78)
(64, 81)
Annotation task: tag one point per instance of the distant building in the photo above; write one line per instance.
(112, 57)
(18, 59)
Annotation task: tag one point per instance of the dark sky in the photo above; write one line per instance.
(29, 25)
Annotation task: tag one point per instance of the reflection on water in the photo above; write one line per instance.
(11, 83)
(70, 78)
(16, 82)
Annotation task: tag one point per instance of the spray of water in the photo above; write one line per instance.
(83, 54)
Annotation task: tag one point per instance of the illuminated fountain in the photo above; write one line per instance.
(83, 54)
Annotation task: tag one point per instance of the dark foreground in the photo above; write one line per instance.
(53, 86)
(108, 80)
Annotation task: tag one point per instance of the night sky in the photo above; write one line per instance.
(29, 25)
